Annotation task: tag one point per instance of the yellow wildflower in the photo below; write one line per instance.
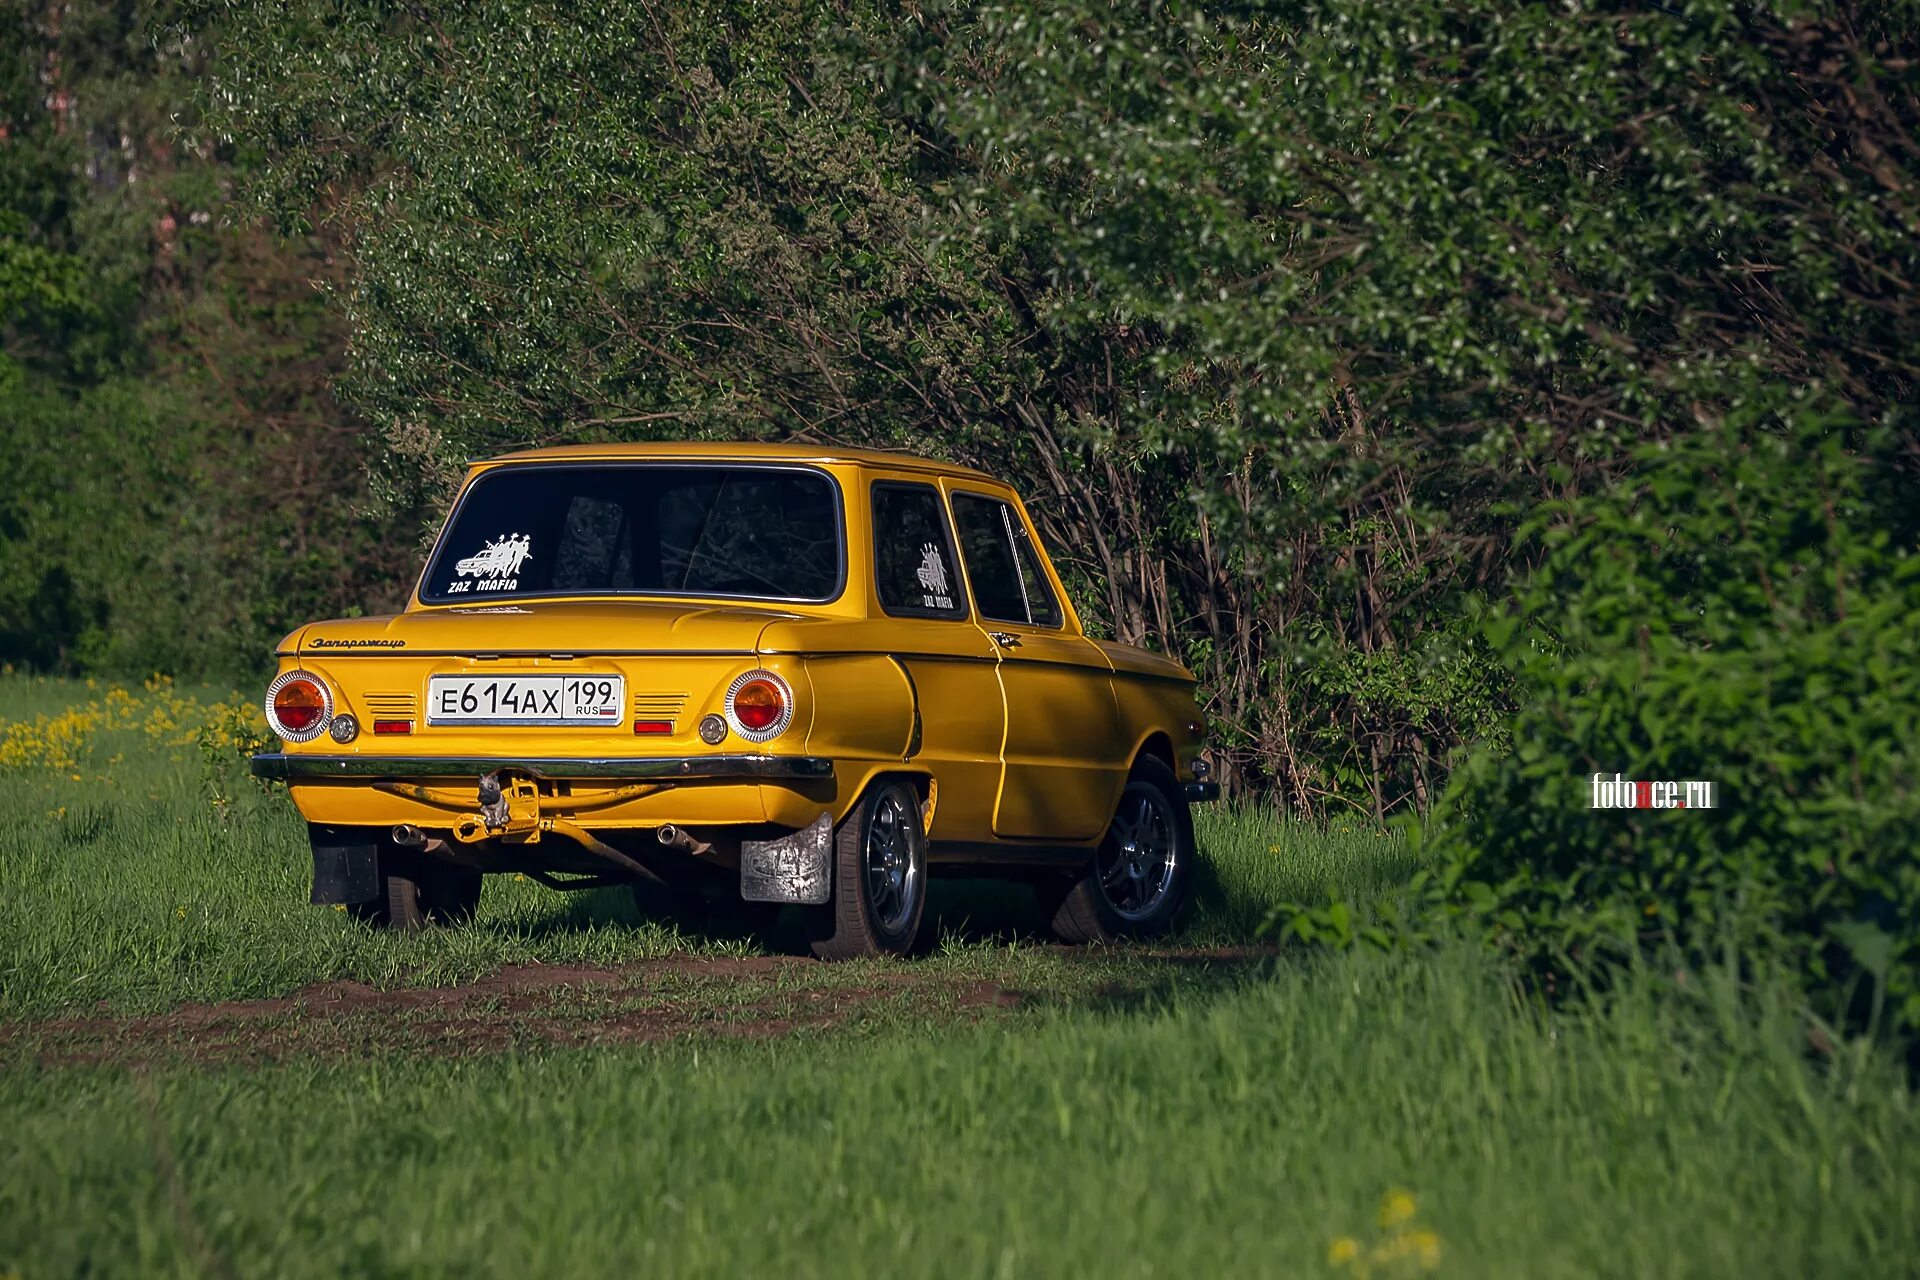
(1426, 1247)
(1396, 1206)
(1343, 1251)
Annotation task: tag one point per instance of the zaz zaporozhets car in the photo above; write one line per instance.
(758, 674)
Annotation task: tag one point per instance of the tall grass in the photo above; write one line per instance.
(1254, 858)
(1252, 1125)
(1245, 1134)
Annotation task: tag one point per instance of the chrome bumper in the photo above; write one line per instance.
(292, 768)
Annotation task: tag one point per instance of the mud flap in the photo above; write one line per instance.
(794, 868)
(346, 864)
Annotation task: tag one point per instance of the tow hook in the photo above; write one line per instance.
(509, 809)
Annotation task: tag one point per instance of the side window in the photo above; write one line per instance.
(1008, 585)
(913, 565)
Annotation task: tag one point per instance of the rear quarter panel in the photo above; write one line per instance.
(872, 718)
(1157, 698)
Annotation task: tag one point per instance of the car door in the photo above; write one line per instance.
(948, 662)
(1063, 757)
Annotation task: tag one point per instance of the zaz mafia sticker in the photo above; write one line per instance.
(495, 567)
(933, 578)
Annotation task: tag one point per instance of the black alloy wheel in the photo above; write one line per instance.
(879, 878)
(1139, 877)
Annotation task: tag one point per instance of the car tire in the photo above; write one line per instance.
(417, 890)
(1137, 883)
(879, 878)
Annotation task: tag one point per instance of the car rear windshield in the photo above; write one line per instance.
(762, 532)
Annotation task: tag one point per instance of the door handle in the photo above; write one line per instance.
(1005, 639)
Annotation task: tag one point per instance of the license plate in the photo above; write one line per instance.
(526, 699)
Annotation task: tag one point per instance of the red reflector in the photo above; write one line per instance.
(393, 726)
(653, 726)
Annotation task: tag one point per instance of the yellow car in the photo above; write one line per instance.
(761, 674)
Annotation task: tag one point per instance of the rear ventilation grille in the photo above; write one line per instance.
(392, 706)
(658, 706)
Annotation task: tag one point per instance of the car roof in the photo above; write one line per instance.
(739, 451)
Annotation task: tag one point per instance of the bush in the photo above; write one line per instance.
(1745, 610)
(1273, 312)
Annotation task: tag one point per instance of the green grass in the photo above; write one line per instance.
(1135, 1114)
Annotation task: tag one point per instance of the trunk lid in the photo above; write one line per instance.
(546, 627)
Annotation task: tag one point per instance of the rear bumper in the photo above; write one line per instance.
(293, 768)
(1201, 792)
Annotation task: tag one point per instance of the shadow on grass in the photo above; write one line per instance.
(994, 930)
(570, 912)
(961, 912)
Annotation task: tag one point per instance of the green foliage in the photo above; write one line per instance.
(1316, 333)
(1386, 277)
(629, 221)
(110, 562)
(1741, 612)
(1283, 317)
(181, 486)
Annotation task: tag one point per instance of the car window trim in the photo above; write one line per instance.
(1013, 553)
(420, 596)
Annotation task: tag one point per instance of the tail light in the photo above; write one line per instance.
(759, 706)
(299, 706)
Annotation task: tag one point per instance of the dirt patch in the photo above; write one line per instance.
(533, 1007)
(518, 1007)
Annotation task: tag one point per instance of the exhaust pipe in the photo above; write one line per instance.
(411, 838)
(674, 838)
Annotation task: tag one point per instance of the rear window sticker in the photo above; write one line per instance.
(495, 567)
